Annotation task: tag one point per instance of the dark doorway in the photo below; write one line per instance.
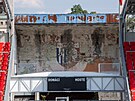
(72, 95)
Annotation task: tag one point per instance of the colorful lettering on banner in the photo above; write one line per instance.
(71, 18)
(65, 18)
(96, 18)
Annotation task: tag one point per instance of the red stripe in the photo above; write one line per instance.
(120, 2)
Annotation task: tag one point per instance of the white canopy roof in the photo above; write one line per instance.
(66, 74)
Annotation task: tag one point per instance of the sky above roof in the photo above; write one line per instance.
(64, 6)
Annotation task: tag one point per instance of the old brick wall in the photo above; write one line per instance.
(58, 47)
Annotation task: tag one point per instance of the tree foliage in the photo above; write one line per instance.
(77, 9)
(93, 12)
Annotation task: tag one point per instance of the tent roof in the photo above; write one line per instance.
(66, 74)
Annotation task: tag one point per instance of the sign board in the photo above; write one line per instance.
(66, 83)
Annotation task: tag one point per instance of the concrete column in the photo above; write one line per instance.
(37, 96)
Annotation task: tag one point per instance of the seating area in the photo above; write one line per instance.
(4, 59)
(129, 51)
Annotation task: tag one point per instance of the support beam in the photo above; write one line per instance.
(37, 96)
(12, 97)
